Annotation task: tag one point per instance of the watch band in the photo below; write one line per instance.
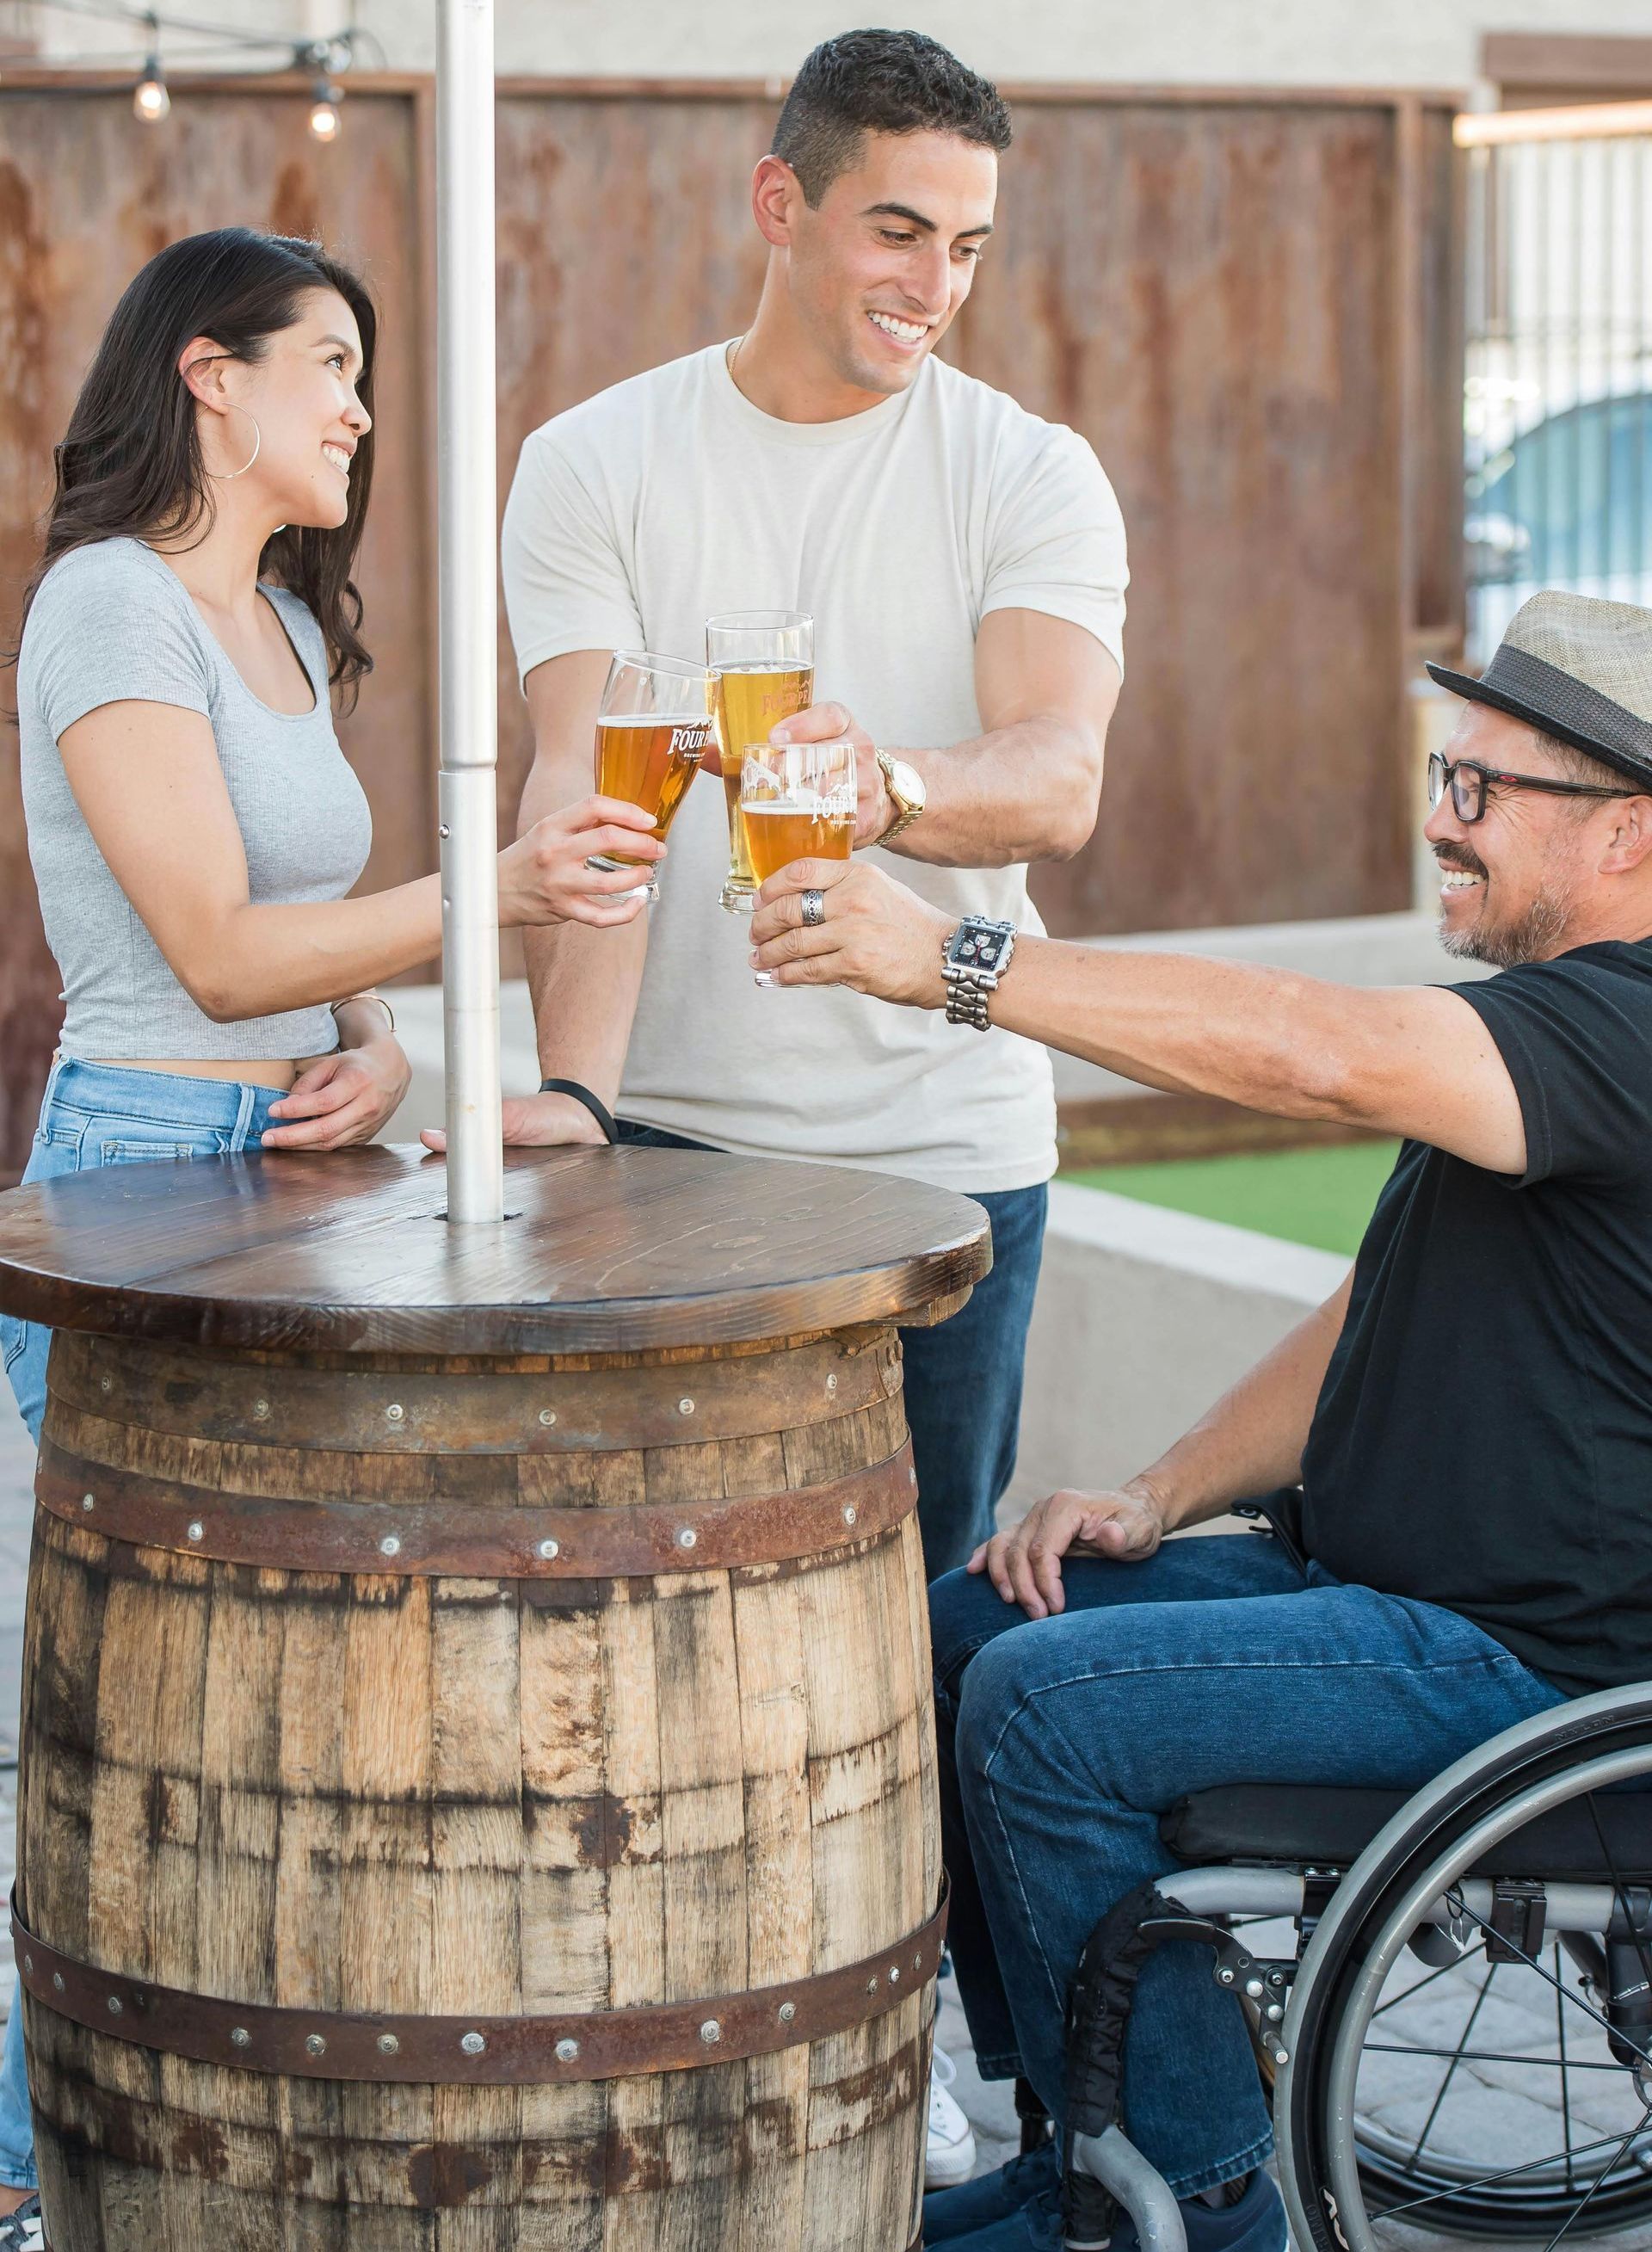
(597, 1109)
(967, 1001)
(906, 813)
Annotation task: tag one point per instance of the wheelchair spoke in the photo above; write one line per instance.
(1490, 2056)
(1514, 2173)
(1565, 2076)
(1443, 1970)
(1451, 2070)
(1600, 2180)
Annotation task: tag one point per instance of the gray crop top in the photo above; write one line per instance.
(111, 623)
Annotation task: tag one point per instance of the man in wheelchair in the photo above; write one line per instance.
(1455, 1451)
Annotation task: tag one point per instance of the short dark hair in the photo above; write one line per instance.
(865, 82)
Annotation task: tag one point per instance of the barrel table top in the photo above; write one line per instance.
(606, 1250)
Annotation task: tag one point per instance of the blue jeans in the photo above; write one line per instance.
(101, 1114)
(962, 1378)
(1062, 1740)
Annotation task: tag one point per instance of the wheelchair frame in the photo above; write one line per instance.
(1313, 2010)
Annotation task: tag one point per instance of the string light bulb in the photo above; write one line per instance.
(151, 102)
(323, 112)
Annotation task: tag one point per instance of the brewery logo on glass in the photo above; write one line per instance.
(656, 722)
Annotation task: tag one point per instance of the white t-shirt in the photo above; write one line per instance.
(639, 514)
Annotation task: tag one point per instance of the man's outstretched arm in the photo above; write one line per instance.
(1250, 1442)
(1415, 1061)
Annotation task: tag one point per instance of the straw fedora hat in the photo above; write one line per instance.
(1578, 668)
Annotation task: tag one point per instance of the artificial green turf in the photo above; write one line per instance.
(1320, 1196)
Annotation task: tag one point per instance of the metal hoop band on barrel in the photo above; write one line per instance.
(419, 1538)
(481, 2052)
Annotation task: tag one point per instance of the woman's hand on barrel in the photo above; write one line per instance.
(874, 935)
(1024, 1564)
(341, 1098)
(544, 876)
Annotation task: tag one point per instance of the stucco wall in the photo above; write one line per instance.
(1433, 43)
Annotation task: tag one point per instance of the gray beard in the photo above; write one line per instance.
(1534, 936)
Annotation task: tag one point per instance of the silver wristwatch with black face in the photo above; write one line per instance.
(973, 960)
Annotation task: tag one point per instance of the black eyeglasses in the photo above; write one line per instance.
(1469, 781)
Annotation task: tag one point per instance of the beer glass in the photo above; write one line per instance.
(797, 802)
(764, 661)
(654, 724)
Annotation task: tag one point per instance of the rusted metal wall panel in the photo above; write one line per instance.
(1207, 292)
(86, 195)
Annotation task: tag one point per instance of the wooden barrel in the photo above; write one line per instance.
(477, 1784)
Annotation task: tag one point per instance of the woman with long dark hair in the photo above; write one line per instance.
(193, 825)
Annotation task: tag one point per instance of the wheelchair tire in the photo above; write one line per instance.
(1336, 2179)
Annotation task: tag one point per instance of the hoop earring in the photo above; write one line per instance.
(228, 476)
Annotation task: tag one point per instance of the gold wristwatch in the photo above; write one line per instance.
(906, 786)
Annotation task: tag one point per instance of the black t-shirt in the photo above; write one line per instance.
(1483, 1439)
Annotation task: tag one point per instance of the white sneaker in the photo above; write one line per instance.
(949, 2157)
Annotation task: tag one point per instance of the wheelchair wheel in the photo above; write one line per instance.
(1479, 2095)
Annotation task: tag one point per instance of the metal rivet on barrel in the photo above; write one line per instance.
(547, 1416)
(315, 2044)
(443, 831)
(109, 1384)
(710, 2032)
(114, 2006)
(685, 1406)
(566, 2051)
(473, 2044)
(57, 1981)
(832, 1383)
(871, 1986)
(28, 1963)
(241, 2037)
(912, 1477)
(88, 1501)
(388, 2045)
(687, 1536)
(196, 1530)
(550, 1548)
(894, 1974)
(389, 1545)
(260, 1411)
(395, 1411)
(788, 2011)
(849, 1514)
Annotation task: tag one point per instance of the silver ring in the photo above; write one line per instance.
(814, 908)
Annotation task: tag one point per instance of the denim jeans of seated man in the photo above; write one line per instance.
(96, 1115)
(1062, 1740)
(962, 1378)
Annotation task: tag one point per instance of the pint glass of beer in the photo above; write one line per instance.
(764, 661)
(656, 723)
(797, 802)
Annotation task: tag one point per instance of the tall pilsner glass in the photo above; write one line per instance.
(765, 664)
(655, 724)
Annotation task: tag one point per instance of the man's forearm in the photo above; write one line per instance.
(584, 983)
(1252, 1439)
(1026, 792)
(1269, 1039)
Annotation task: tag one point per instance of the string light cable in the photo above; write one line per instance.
(323, 61)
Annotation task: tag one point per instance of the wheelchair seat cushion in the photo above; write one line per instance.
(1304, 1824)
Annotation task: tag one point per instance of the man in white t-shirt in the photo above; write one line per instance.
(964, 566)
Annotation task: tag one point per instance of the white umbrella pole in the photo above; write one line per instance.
(465, 450)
